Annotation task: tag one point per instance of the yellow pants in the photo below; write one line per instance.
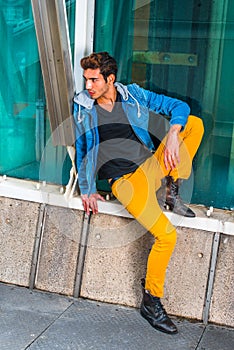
(136, 191)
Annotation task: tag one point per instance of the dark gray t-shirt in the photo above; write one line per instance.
(120, 151)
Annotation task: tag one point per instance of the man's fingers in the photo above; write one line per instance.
(173, 162)
(101, 198)
(93, 205)
(170, 160)
(85, 202)
(90, 203)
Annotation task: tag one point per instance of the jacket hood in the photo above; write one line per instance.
(83, 99)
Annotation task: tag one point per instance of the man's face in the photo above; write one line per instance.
(95, 83)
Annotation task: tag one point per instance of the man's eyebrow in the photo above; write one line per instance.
(90, 78)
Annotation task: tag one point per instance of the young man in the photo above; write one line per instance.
(113, 141)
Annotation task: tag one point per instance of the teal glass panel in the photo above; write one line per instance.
(114, 32)
(19, 86)
(195, 41)
(26, 150)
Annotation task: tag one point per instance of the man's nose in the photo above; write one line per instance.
(88, 84)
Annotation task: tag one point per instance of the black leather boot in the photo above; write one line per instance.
(168, 196)
(152, 310)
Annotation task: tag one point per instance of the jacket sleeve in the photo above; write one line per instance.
(81, 163)
(177, 110)
(81, 155)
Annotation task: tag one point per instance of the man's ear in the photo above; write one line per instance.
(111, 79)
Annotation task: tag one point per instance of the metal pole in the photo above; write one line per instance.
(37, 245)
(56, 64)
(82, 253)
(214, 256)
(84, 36)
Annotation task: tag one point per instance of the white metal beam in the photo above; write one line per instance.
(55, 57)
(84, 36)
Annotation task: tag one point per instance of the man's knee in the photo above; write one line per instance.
(168, 240)
(196, 124)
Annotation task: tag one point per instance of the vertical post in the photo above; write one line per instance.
(211, 276)
(55, 57)
(82, 253)
(84, 35)
(40, 127)
(37, 245)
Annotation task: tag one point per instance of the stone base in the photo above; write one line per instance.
(18, 225)
(115, 259)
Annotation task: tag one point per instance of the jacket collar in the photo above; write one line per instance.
(83, 99)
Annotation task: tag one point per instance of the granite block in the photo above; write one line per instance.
(59, 250)
(222, 303)
(18, 225)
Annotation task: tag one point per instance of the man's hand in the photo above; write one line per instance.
(171, 153)
(90, 202)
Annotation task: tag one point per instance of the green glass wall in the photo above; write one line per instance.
(191, 54)
(26, 150)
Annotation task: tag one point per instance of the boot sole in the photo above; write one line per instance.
(168, 207)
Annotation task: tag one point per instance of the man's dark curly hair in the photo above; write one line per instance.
(102, 60)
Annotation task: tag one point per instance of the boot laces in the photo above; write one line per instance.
(174, 189)
(159, 308)
(174, 193)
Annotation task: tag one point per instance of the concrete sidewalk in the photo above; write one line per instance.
(35, 320)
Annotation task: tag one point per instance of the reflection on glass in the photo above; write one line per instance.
(184, 50)
(24, 126)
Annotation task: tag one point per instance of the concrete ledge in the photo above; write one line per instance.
(220, 220)
(116, 253)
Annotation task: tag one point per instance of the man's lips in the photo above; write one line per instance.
(91, 93)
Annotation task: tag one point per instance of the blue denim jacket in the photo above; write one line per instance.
(136, 103)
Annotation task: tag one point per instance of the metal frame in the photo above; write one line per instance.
(55, 57)
(84, 36)
(82, 253)
(37, 245)
(211, 277)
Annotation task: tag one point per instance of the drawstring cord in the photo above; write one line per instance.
(138, 105)
(79, 119)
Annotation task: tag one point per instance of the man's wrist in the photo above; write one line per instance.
(175, 128)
